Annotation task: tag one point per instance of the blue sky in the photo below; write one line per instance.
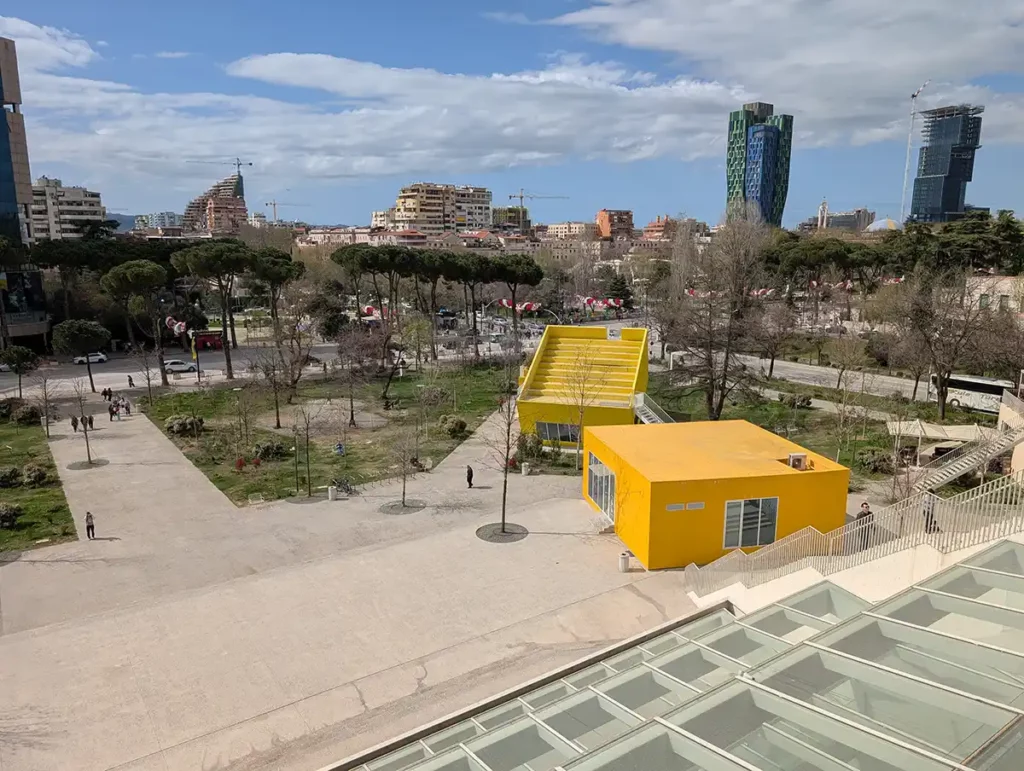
(613, 103)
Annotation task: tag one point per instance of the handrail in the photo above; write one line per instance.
(1016, 404)
(644, 348)
(993, 510)
(534, 363)
(948, 457)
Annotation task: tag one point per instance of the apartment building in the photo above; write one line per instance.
(511, 219)
(384, 219)
(580, 231)
(614, 223)
(61, 212)
(221, 209)
(433, 209)
(161, 219)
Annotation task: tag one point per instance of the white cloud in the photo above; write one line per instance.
(172, 54)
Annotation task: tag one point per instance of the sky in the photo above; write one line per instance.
(609, 103)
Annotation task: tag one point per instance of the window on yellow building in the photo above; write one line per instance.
(751, 522)
(601, 486)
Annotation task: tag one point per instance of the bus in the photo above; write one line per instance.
(973, 392)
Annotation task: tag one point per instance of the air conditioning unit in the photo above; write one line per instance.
(798, 460)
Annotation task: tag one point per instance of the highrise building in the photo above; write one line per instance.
(63, 212)
(945, 163)
(160, 219)
(15, 178)
(220, 210)
(614, 223)
(434, 209)
(511, 219)
(757, 161)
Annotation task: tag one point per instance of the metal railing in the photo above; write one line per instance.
(991, 511)
(948, 457)
(1016, 406)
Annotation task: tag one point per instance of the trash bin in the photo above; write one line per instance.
(624, 562)
(526, 469)
(332, 493)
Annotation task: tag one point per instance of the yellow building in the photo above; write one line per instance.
(682, 493)
(583, 366)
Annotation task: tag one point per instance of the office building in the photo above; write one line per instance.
(433, 209)
(15, 178)
(945, 164)
(63, 212)
(511, 219)
(760, 145)
(614, 223)
(163, 220)
(854, 221)
(563, 231)
(220, 210)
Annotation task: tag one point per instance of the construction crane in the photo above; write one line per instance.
(910, 143)
(275, 203)
(238, 163)
(522, 195)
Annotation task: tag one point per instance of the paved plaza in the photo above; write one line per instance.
(288, 635)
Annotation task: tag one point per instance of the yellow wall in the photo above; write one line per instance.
(548, 412)
(639, 334)
(632, 498)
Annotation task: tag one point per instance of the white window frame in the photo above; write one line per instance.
(601, 486)
(759, 525)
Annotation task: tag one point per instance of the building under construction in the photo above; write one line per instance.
(945, 164)
(220, 210)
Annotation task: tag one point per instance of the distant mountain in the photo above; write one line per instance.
(125, 222)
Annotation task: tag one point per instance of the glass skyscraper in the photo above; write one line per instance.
(15, 178)
(757, 161)
(945, 164)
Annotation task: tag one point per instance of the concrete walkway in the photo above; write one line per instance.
(288, 635)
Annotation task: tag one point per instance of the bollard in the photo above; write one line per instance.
(624, 562)
(332, 493)
(526, 469)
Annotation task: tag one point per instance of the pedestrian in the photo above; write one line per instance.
(131, 383)
(930, 525)
(865, 518)
(90, 422)
(90, 526)
(74, 424)
(110, 412)
(469, 476)
(127, 408)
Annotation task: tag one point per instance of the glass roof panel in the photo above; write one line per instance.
(1007, 557)
(707, 624)
(646, 692)
(747, 645)
(790, 625)
(547, 694)
(697, 667)
(826, 601)
(399, 759)
(587, 719)
(627, 659)
(653, 747)
(455, 759)
(522, 745)
(662, 644)
(502, 714)
(945, 723)
(994, 588)
(772, 733)
(589, 676)
(458, 733)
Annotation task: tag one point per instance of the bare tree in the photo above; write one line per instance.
(773, 328)
(268, 366)
(901, 484)
(908, 355)
(47, 390)
(357, 350)
(81, 389)
(582, 387)
(504, 440)
(145, 360)
(711, 287)
(846, 353)
(306, 421)
(847, 408)
(402, 451)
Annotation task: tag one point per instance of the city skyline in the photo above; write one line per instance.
(592, 105)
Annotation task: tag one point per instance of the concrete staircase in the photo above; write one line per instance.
(974, 456)
(605, 369)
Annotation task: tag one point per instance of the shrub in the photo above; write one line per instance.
(876, 460)
(9, 513)
(529, 446)
(183, 425)
(269, 451)
(10, 476)
(33, 475)
(432, 395)
(27, 415)
(796, 401)
(452, 425)
(8, 406)
(239, 464)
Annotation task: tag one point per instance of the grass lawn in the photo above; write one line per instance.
(230, 433)
(45, 510)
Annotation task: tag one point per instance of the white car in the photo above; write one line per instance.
(94, 358)
(177, 365)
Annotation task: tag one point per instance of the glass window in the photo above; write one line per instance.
(751, 522)
(984, 301)
(1004, 302)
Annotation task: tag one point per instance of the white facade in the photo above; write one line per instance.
(383, 219)
(60, 212)
(572, 230)
(257, 219)
(434, 209)
(162, 219)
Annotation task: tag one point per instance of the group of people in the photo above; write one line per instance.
(118, 404)
(85, 421)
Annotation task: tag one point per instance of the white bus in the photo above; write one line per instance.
(973, 392)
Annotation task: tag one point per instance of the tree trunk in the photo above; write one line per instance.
(19, 385)
(476, 330)
(839, 379)
(771, 366)
(92, 385)
(942, 393)
(158, 342)
(913, 394)
(277, 409)
(65, 284)
(231, 321)
(229, 372)
(433, 320)
(129, 328)
(351, 403)
(309, 476)
(85, 432)
(515, 321)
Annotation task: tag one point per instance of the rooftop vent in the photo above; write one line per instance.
(798, 460)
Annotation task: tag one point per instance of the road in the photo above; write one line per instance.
(879, 385)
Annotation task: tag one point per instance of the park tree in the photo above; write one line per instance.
(619, 289)
(773, 327)
(472, 271)
(220, 262)
(354, 262)
(846, 353)
(78, 337)
(517, 270)
(21, 361)
(68, 257)
(356, 352)
(504, 440)
(143, 283)
(274, 270)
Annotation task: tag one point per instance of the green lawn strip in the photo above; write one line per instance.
(45, 509)
(471, 394)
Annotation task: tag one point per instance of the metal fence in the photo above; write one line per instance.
(1015, 416)
(991, 511)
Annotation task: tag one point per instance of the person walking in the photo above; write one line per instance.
(74, 424)
(127, 408)
(90, 526)
(131, 383)
(469, 477)
(930, 525)
(110, 412)
(865, 518)
(90, 422)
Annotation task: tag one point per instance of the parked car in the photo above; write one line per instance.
(94, 358)
(4, 368)
(177, 365)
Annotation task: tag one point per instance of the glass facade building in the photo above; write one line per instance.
(760, 145)
(15, 178)
(952, 136)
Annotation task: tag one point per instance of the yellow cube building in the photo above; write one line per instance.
(584, 367)
(681, 493)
